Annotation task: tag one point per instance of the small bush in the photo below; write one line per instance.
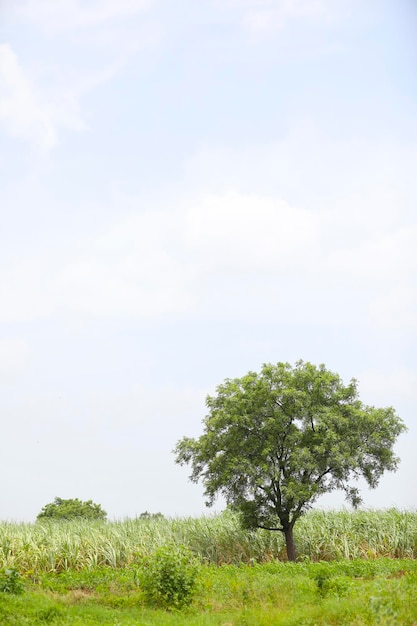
(168, 578)
(11, 581)
(328, 584)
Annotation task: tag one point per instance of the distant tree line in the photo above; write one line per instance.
(74, 508)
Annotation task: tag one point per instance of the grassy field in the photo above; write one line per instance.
(354, 568)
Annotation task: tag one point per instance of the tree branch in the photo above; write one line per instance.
(281, 530)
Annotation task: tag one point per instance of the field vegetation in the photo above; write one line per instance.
(356, 568)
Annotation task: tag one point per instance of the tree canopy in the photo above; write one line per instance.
(61, 509)
(150, 516)
(274, 441)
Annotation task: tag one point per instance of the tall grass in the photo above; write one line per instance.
(58, 546)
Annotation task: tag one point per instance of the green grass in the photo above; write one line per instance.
(356, 592)
(356, 569)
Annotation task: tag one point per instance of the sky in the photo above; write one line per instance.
(189, 190)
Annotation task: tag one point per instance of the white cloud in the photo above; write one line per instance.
(66, 15)
(242, 232)
(22, 110)
(386, 257)
(140, 408)
(272, 17)
(237, 252)
(129, 270)
(24, 292)
(143, 286)
(389, 386)
(371, 179)
(227, 252)
(34, 113)
(154, 264)
(14, 356)
(396, 307)
(39, 98)
(109, 25)
(360, 229)
(263, 16)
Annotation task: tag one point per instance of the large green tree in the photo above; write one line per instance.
(274, 441)
(73, 508)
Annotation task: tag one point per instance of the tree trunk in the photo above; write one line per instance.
(289, 542)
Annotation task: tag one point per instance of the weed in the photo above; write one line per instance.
(169, 577)
(49, 614)
(11, 581)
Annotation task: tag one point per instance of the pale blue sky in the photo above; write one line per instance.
(189, 190)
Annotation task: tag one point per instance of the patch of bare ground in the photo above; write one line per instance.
(76, 596)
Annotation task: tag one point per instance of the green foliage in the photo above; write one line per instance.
(169, 577)
(150, 516)
(328, 583)
(11, 581)
(274, 442)
(278, 593)
(218, 539)
(84, 545)
(49, 615)
(70, 509)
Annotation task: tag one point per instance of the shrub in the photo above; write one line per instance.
(168, 577)
(327, 582)
(11, 582)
